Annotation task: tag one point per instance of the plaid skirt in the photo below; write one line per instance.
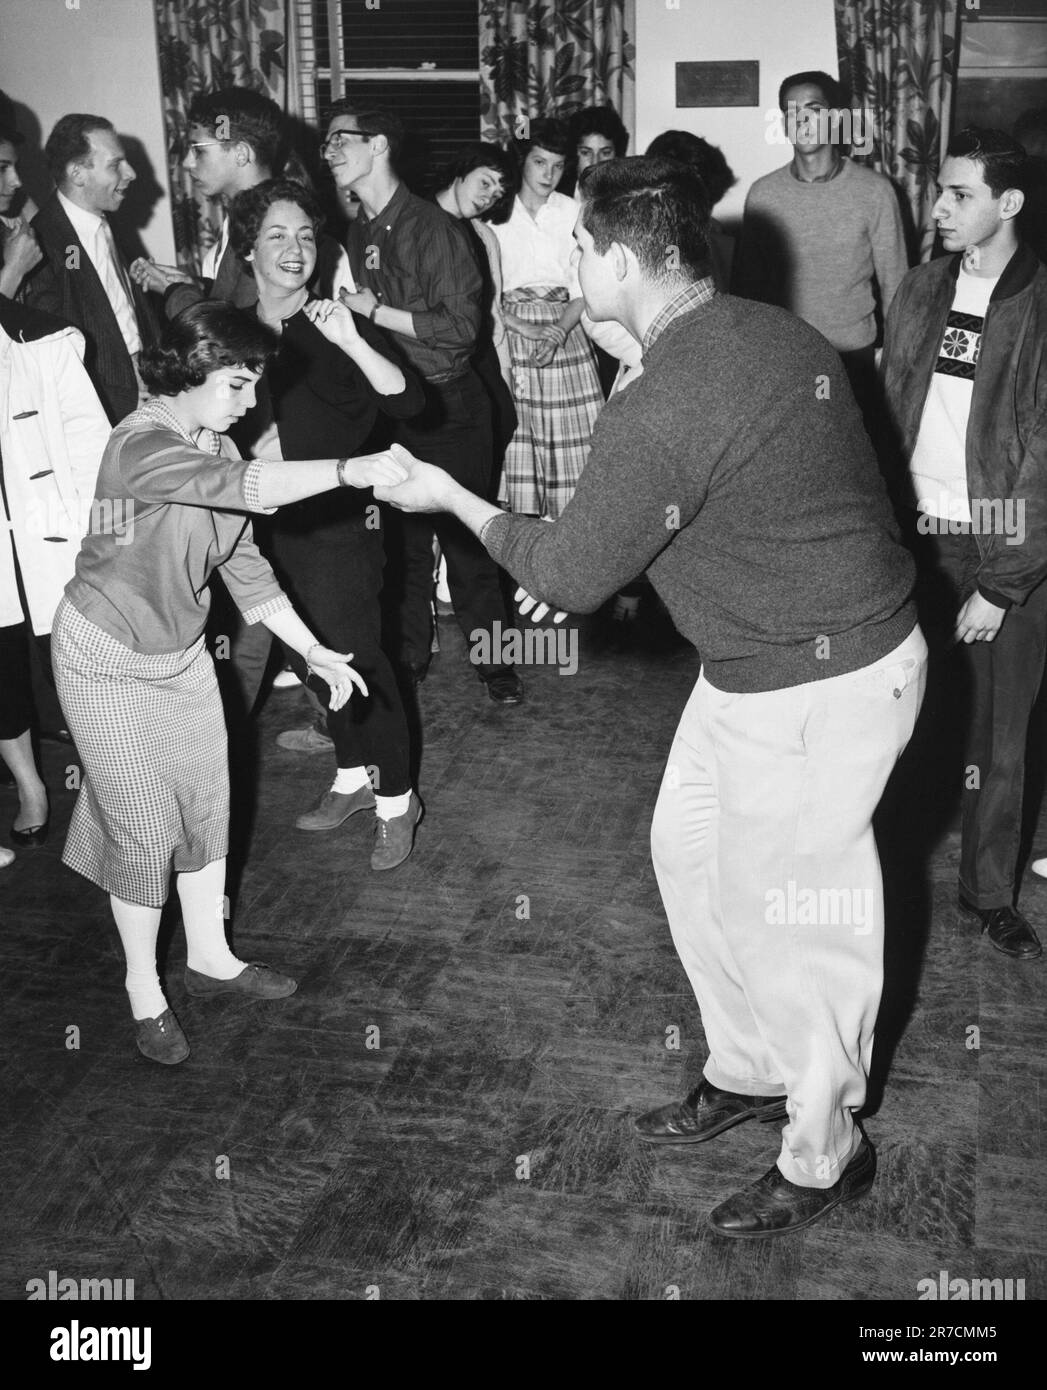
(556, 407)
(151, 735)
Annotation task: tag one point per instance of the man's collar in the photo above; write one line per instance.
(691, 297)
(76, 214)
(393, 207)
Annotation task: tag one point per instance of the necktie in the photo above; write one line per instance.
(114, 282)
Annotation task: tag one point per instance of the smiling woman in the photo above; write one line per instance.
(330, 387)
(136, 681)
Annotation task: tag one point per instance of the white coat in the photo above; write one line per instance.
(52, 433)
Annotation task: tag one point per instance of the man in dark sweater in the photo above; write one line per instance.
(761, 519)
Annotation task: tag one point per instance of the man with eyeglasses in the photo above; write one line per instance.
(236, 140)
(418, 280)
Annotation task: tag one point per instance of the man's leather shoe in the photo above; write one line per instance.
(1007, 929)
(774, 1206)
(505, 688)
(253, 981)
(334, 809)
(394, 839)
(161, 1039)
(705, 1113)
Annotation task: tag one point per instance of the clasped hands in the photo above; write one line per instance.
(426, 488)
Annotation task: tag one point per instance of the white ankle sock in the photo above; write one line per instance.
(202, 895)
(350, 779)
(389, 807)
(139, 927)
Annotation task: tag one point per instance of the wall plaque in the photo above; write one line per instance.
(718, 84)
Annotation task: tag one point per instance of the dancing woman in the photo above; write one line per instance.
(135, 679)
(326, 389)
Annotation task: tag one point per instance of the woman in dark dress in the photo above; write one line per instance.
(330, 387)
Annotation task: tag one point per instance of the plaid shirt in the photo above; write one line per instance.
(697, 293)
(415, 256)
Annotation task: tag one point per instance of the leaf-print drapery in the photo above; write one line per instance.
(899, 59)
(552, 57)
(206, 45)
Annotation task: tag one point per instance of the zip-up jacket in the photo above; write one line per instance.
(1007, 426)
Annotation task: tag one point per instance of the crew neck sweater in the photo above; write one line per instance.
(815, 248)
(737, 472)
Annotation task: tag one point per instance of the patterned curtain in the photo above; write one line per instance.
(206, 45)
(899, 59)
(551, 58)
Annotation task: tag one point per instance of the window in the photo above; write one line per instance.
(415, 56)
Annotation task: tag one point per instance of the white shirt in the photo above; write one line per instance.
(537, 250)
(938, 466)
(213, 259)
(96, 237)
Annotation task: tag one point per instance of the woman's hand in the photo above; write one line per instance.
(334, 320)
(361, 302)
(267, 445)
(21, 249)
(333, 668)
(147, 275)
(552, 343)
(537, 332)
(375, 470)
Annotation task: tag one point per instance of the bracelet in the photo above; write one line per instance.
(309, 664)
(342, 480)
(373, 312)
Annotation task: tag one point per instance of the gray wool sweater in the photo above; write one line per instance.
(737, 472)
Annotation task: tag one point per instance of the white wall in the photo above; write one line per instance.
(99, 56)
(784, 36)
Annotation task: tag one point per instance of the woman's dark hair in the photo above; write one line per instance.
(545, 133)
(599, 120)
(249, 208)
(200, 339)
(708, 160)
(480, 155)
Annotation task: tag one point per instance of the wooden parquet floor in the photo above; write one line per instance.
(442, 1110)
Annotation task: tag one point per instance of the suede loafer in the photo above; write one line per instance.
(705, 1113)
(334, 809)
(394, 839)
(774, 1206)
(253, 982)
(161, 1039)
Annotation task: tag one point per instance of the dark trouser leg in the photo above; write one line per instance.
(16, 686)
(335, 583)
(241, 653)
(1003, 678)
(455, 434)
(1006, 680)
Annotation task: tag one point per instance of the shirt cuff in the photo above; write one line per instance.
(1000, 600)
(267, 609)
(252, 477)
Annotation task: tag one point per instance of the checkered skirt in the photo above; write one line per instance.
(151, 735)
(556, 407)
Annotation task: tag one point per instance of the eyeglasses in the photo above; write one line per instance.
(338, 137)
(192, 146)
